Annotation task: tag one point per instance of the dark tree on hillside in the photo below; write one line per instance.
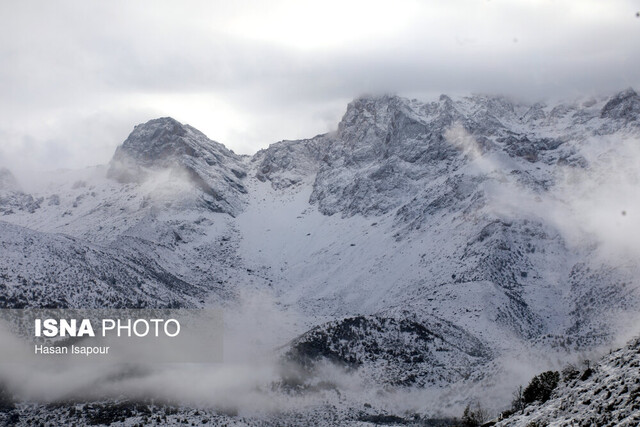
(541, 386)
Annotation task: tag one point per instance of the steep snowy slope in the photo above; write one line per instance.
(54, 271)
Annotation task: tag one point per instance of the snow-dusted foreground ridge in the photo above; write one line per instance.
(419, 245)
(607, 395)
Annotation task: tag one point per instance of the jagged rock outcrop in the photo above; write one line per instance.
(288, 163)
(166, 144)
(383, 147)
(388, 148)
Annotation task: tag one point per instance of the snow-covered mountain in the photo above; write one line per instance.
(417, 245)
(167, 145)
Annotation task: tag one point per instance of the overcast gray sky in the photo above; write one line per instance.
(76, 76)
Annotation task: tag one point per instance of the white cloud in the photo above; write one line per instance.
(250, 73)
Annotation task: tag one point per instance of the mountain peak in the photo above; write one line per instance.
(624, 105)
(167, 144)
(370, 110)
(445, 99)
(158, 139)
(370, 103)
(162, 129)
(164, 141)
(377, 98)
(161, 120)
(627, 92)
